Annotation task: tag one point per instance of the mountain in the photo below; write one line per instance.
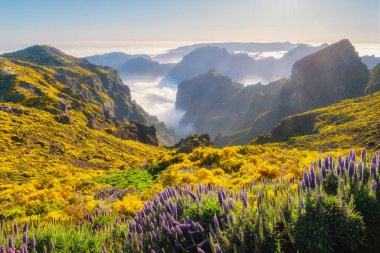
(200, 96)
(374, 80)
(114, 60)
(240, 67)
(176, 55)
(351, 122)
(45, 78)
(215, 104)
(371, 61)
(141, 69)
(321, 79)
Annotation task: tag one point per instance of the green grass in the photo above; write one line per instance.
(138, 179)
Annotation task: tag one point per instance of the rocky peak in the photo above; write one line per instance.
(325, 77)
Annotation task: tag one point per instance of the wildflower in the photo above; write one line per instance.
(364, 154)
(351, 168)
(374, 185)
(216, 222)
(360, 170)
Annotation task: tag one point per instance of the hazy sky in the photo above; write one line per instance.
(44, 21)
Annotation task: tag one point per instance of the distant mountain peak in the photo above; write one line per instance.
(42, 54)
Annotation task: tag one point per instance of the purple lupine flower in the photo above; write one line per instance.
(220, 198)
(11, 243)
(192, 195)
(373, 159)
(347, 163)
(230, 220)
(339, 170)
(33, 242)
(245, 201)
(203, 243)
(373, 170)
(24, 248)
(340, 162)
(364, 154)
(323, 172)
(360, 170)
(303, 184)
(225, 208)
(217, 248)
(374, 185)
(179, 231)
(213, 234)
(319, 163)
(327, 164)
(302, 204)
(3, 250)
(350, 153)
(306, 178)
(216, 222)
(199, 250)
(331, 162)
(25, 229)
(230, 204)
(15, 227)
(351, 168)
(312, 181)
(318, 179)
(24, 237)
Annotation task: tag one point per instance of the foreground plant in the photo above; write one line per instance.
(334, 208)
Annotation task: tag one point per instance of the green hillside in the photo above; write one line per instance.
(352, 122)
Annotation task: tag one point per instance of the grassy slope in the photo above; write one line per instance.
(352, 122)
(47, 166)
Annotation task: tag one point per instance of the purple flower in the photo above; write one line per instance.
(323, 172)
(373, 160)
(351, 168)
(373, 185)
(230, 204)
(216, 222)
(25, 229)
(302, 204)
(364, 154)
(24, 237)
(327, 164)
(306, 178)
(199, 250)
(33, 242)
(373, 170)
(15, 227)
(360, 170)
(230, 220)
(217, 248)
(319, 163)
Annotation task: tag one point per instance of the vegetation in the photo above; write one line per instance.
(350, 122)
(334, 208)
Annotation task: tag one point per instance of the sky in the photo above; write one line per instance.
(80, 21)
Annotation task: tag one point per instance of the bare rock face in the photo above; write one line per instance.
(324, 78)
(192, 142)
(137, 131)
